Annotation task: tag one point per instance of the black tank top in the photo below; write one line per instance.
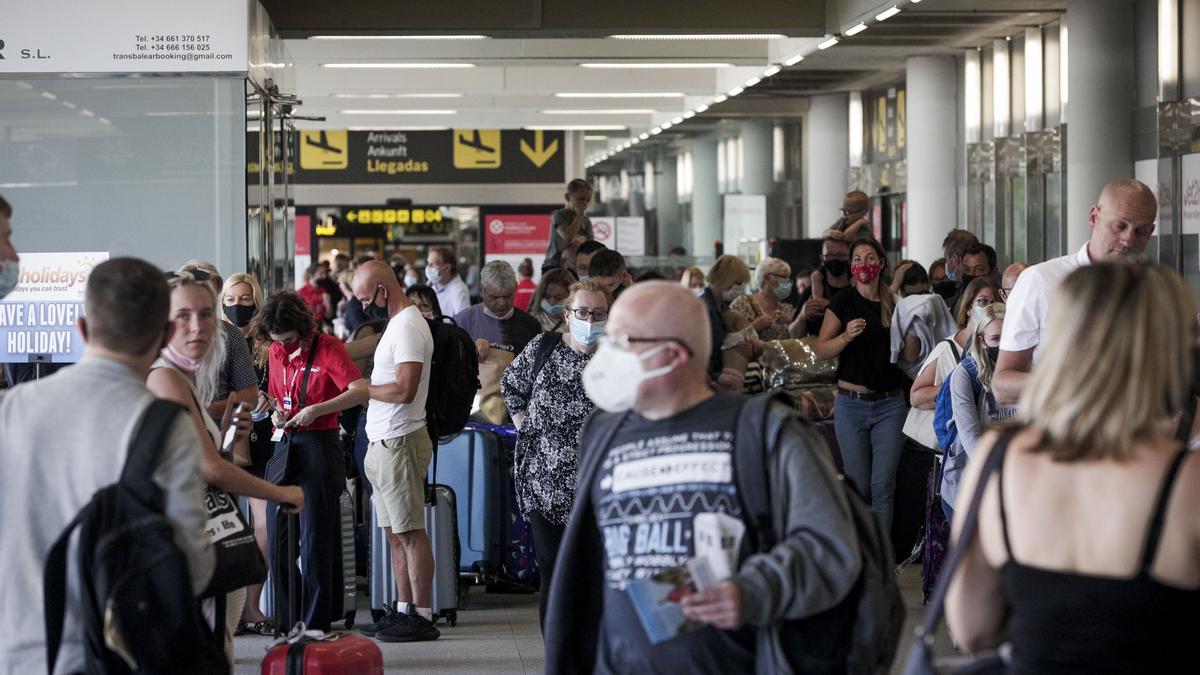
(1065, 622)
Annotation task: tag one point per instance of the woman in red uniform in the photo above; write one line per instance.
(305, 416)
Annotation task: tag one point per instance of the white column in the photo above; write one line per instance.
(931, 112)
(1100, 101)
(826, 161)
(666, 194)
(758, 155)
(707, 216)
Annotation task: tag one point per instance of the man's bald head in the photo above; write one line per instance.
(664, 309)
(373, 279)
(1122, 220)
(855, 201)
(1010, 279)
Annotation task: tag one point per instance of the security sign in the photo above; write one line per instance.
(324, 150)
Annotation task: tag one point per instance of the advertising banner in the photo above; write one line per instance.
(37, 320)
(514, 237)
(1191, 194)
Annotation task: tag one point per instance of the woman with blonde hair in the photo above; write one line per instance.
(727, 280)
(869, 409)
(1085, 556)
(766, 309)
(693, 278)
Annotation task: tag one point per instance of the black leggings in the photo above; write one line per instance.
(547, 537)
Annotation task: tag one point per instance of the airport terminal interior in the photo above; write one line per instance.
(758, 145)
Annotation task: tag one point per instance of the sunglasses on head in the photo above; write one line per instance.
(189, 273)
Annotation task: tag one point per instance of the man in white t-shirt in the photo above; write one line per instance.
(400, 449)
(1122, 222)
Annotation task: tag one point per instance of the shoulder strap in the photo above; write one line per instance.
(937, 606)
(954, 348)
(750, 469)
(1154, 533)
(312, 353)
(144, 452)
(546, 347)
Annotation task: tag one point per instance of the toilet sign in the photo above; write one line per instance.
(38, 319)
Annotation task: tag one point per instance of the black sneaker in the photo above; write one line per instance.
(411, 627)
(389, 618)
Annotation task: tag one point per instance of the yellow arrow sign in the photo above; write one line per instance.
(540, 153)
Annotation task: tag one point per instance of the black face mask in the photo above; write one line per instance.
(946, 288)
(965, 280)
(373, 311)
(993, 353)
(837, 268)
(240, 315)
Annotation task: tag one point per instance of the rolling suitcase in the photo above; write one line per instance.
(441, 519)
(349, 561)
(519, 572)
(340, 655)
(473, 465)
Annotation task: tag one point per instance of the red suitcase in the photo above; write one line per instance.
(342, 655)
(347, 655)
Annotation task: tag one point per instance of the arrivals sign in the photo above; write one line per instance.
(38, 318)
(124, 36)
(333, 156)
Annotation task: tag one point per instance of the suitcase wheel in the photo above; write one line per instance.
(349, 620)
(451, 617)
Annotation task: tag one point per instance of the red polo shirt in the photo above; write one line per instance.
(332, 372)
(315, 298)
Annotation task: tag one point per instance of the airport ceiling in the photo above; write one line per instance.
(554, 63)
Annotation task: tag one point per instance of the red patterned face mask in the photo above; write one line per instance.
(865, 272)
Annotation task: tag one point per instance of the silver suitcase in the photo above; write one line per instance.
(441, 523)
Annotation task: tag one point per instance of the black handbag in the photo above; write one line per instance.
(921, 660)
(279, 466)
(238, 560)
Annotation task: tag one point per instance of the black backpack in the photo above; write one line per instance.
(453, 378)
(861, 633)
(139, 612)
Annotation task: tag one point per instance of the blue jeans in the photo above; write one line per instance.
(870, 436)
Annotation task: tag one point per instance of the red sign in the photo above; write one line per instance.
(517, 234)
(303, 235)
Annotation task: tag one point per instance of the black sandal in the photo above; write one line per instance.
(264, 627)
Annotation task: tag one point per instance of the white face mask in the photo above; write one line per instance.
(507, 316)
(698, 292)
(432, 274)
(611, 379)
(733, 292)
(410, 279)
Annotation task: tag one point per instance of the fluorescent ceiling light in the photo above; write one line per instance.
(619, 94)
(575, 127)
(701, 108)
(70, 105)
(772, 71)
(887, 13)
(721, 98)
(656, 131)
(87, 113)
(387, 96)
(667, 125)
(591, 137)
(753, 81)
(855, 30)
(440, 65)
(52, 97)
(398, 37)
(701, 36)
(689, 114)
(401, 111)
(828, 43)
(735, 91)
(417, 128)
(794, 60)
(644, 136)
(103, 120)
(668, 65)
(600, 111)
(677, 120)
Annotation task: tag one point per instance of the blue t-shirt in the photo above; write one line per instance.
(657, 476)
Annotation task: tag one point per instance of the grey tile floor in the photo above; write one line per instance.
(499, 635)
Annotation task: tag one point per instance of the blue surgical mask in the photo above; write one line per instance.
(584, 277)
(10, 273)
(552, 310)
(587, 334)
(783, 290)
(951, 276)
(432, 274)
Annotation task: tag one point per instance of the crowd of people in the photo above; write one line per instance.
(627, 398)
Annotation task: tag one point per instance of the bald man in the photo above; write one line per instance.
(1009, 280)
(1122, 222)
(400, 449)
(853, 223)
(654, 479)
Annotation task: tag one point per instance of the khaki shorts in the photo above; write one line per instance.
(396, 468)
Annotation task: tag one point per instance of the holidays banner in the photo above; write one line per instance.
(37, 320)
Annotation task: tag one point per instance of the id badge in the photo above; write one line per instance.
(287, 403)
(277, 436)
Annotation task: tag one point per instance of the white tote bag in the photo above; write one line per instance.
(919, 424)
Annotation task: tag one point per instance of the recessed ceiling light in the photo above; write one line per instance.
(575, 127)
(656, 131)
(398, 37)
(52, 97)
(401, 111)
(677, 120)
(855, 30)
(406, 128)
(887, 13)
(735, 91)
(700, 36)
(701, 108)
(772, 71)
(644, 136)
(721, 98)
(794, 60)
(828, 43)
(591, 137)
(619, 94)
(87, 113)
(393, 96)
(671, 65)
(70, 105)
(753, 81)
(689, 114)
(433, 65)
(600, 111)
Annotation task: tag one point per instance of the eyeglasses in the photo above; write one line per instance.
(845, 211)
(595, 314)
(622, 342)
(189, 273)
